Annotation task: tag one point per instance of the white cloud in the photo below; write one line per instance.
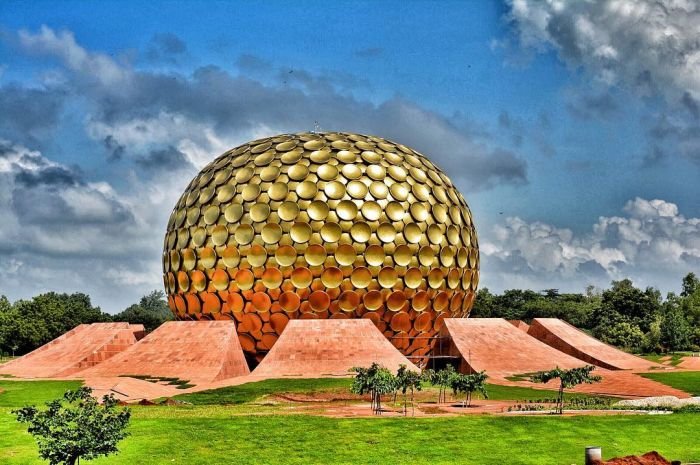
(639, 43)
(653, 244)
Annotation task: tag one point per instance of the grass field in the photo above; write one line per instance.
(224, 434)
(688, 381)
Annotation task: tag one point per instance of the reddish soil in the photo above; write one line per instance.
(650, 458)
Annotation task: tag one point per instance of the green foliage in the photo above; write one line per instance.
(567, 379)
(407, 380)
(151, 311)
(374, 380)
(76, 426)
(675, 331)
(624, 335)
(28, 324)
(468, 384)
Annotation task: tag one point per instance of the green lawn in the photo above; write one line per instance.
(688, 381)
(235, 434)
(676, 357)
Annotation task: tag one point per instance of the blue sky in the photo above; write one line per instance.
(572, 129)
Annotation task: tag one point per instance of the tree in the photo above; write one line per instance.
(690, 284)
(407, 380)
(625, 335)
(442, 379)
(151, 311)
(468, 384)
(375, 381)
(674, 330)
(567, 380)
(636, 306)
(78, 428)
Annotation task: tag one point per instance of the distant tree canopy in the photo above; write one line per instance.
(28, 324)
(151, 311)
(623, 315)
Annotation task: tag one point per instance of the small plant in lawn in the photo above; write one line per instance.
(408, 380)
(567, 379)
(468, 384)
(76, 426)
(375, 381)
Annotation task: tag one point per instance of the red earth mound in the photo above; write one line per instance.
(650, 458)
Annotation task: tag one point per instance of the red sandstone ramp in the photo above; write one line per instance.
(198, 351)
(494, 345)
(571, 340)
(82, 347)
(690, 363)
(520, 324)
(319, 348)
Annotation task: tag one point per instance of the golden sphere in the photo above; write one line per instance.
(322, 225)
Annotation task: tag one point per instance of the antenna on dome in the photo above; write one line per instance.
(317, 127)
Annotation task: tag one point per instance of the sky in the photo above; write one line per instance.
(571, 128)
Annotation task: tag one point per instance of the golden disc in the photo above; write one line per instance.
(319, 301)
(374, 255)
(371, 210)
(376, 172)
(386, 233)
(318, 210)
(269, 173)
(271, 233)
(301, 277)
(351, 171)
(357, 189)
(396, 301)
(453, 234)
(440, 213)
(361, 232)
(420, 301)
(298, 172)
(395, 211)
(419, 212)
(260, 148)
(257, 255)
(250, 192)
(435, 278)
(412, 233)
(387, 277)
(348, 301)
(345, 255)
(183, 281)
(399, 191)
(206, 194)
(320, 156)
(332, 277)
(314, 144)
(233, 212)
(447, 255)
(219, 234)
(361, 277)
(397, 173)
(278, 191)
(244, 234)
(289, 301)
(291, 157)
(244, 175)
(453, 278)
(244, 279)
(379, 190)
(331, 232)
(306, 190)
(220, 280)
(370, 156)
(327, 172)
(413, 278)
(288, 211)
(426, 255)
(261, 302)
(207, 257)
(315, 255)
(334, 190)
(347, 210)
(231, 257)
(259, 212)
(402, 255)
(421, 192)
(435, 235)
(225, 193)
(272, 278)
(211, 214)
(193, 215)
(373, 300)
(286, 146)
(198, 280)
(300, 232)
(462, 257)
(189, 259)
(286, 255)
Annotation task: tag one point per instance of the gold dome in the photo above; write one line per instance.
(322, 225)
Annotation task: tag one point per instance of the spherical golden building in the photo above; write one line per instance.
(322, 225)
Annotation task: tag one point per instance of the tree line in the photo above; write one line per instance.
(30, 323)
(638, 320)
(634, 319)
